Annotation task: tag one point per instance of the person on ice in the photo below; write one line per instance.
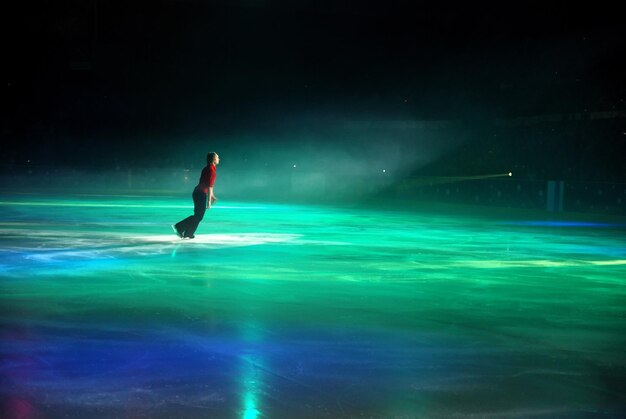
(202, 196)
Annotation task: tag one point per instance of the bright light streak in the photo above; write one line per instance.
(105, 205)
(499, 264)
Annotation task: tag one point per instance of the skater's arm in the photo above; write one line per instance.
(211, 198)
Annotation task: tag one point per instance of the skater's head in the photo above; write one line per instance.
(212, 158)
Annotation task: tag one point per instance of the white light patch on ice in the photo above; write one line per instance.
(60, 246)
(219, 240)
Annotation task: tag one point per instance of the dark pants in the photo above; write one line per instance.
(189, 225)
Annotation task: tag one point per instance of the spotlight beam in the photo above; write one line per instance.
(432, 180)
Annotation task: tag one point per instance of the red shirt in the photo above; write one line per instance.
(207, 178)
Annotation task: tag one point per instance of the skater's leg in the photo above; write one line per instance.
(199, 209)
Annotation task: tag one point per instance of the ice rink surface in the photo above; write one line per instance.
(294, 311)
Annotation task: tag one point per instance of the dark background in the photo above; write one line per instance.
(99, 85)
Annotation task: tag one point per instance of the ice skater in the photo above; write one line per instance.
(203, 197)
